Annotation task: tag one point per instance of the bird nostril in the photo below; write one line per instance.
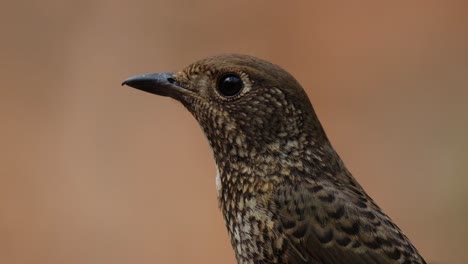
(171, 80)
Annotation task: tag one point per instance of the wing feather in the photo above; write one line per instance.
(326, 224)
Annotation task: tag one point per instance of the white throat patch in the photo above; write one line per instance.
(218, 182)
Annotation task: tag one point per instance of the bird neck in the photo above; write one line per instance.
(247, 170)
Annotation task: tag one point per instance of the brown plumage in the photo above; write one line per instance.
(285, 194)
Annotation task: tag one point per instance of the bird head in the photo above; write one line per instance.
(245, 105)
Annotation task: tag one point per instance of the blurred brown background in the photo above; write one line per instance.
(91, 172)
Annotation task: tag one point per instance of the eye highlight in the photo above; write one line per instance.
(229, 85)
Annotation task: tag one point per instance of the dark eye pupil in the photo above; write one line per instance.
(230, 85)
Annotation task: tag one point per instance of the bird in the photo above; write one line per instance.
(285, 194)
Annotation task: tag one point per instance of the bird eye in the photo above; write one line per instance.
(230, 85)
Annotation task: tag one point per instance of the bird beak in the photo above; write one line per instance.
(163, 84)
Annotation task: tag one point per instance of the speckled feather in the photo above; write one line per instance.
(285, 194)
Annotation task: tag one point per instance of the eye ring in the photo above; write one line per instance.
(229, 85)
